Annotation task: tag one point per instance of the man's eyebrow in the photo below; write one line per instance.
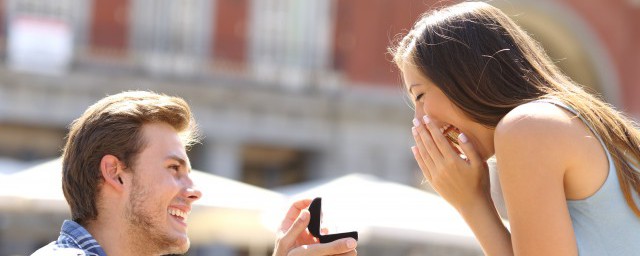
(180, 160)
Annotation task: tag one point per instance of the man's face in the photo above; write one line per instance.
(161, 192)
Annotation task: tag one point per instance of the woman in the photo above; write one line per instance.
(566, 160)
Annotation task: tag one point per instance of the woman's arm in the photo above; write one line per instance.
(535, 145)
(487, 226)
(464, 183)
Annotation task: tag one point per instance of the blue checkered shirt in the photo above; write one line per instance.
(74, 240)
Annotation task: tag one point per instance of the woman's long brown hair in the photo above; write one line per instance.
(487, 65)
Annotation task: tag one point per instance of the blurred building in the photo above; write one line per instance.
(284, 91)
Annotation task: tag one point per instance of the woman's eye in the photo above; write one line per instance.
(419, 96)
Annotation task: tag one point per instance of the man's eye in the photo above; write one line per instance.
(175, 167)
(419, 96)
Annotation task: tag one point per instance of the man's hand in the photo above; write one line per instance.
(293, 238)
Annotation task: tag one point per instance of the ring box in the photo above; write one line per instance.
(314, 224)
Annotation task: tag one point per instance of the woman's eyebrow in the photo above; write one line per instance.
(411, 87)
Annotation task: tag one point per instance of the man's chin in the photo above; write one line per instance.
(181, 246)
(186, 246)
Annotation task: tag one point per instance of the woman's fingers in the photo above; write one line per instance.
(421, 154)
(472, 155)
(421, 164)
(427, 140)
(442, 143)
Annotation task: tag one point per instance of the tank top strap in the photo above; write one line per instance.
(563, 105)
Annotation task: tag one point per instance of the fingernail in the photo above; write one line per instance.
(416, 123)
(351, 243)
(414, 131)
(303, 215)
(463, 138)
(426, 119)
(414, 150)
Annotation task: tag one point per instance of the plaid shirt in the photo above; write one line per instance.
(74, 240)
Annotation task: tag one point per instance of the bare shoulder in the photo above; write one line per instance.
(535, 146)
(537, 130)
(535, 121)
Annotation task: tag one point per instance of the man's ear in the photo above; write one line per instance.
(111, 170)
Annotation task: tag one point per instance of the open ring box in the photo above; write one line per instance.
(314, 224)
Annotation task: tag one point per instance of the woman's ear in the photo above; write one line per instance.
(111, 170)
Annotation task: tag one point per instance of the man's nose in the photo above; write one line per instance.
(191, 192)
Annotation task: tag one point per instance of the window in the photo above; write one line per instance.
(59, 23)
(290, 40)
(171, 37)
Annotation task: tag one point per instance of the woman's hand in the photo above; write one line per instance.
(460, 181)
(293, 238)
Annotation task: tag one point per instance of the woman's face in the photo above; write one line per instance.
(429, 100)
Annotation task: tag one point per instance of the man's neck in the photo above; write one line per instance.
(113, 236)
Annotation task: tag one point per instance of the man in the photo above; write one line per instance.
(126, 178)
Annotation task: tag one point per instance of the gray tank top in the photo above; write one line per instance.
(603, 223)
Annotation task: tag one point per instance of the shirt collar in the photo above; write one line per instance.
(81, 237)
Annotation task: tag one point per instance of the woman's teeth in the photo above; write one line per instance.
(444, 128)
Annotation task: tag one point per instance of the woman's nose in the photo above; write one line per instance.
(418, 114)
